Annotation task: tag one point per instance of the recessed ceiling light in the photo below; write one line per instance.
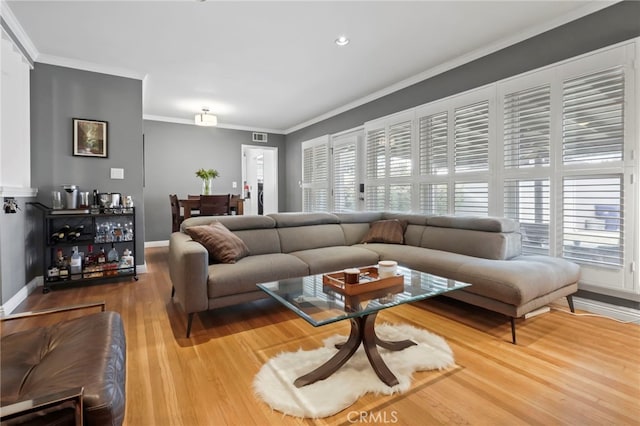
(342, 41)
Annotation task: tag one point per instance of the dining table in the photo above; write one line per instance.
(192, 204)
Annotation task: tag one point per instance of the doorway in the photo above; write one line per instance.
(260, 179)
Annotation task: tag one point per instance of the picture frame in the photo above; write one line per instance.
(90, 138)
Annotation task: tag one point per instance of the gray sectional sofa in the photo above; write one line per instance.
(482, 251)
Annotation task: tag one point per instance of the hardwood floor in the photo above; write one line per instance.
(572, 370)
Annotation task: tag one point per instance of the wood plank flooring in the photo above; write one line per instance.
(565, 370)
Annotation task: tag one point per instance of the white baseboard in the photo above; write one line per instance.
(618, 312)
(21, 295)
(141, 269)
(163, 243)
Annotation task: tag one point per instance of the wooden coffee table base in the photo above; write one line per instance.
(362, 331)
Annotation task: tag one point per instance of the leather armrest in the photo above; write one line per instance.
(22, 408)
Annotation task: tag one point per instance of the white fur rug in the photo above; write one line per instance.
(274, 382)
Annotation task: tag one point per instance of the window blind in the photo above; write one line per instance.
(593, 117)
(344, 183)
(593, 222)
(400, 149)
(376, 154)
(471, 133)
(434, 144)
(400, 197)
(375, 197)
(434, 198)
(528, 202)
(471, 198)
(315, 176)
(527, 127)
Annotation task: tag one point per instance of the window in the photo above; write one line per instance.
(315, 175)
(528, 202)
(471, 198)
(471, 134)
(592, 117)
(345, 171)
(389, 164)
(592, 220)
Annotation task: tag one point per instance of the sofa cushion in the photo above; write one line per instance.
(222, 245)
(328, 259)
(520, 280)
(228, 279)
(286, 220)
(434, 261)
(487, 245)
(476, 223)
(310, 237)
(386, 231)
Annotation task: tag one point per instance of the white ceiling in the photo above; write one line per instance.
(274, 65)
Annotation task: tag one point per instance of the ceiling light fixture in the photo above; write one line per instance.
(206, 119)
(342, 41)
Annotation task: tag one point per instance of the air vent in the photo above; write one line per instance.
(259, 137)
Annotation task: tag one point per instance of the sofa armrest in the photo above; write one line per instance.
(49, 402)
(31, 314)
(188, 269)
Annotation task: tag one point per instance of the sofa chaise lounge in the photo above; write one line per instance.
(482, 251)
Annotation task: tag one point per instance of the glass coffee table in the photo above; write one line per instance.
(320, 304)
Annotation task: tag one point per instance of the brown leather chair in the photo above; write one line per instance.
(70, 372)
(214, 205)
(176, 219)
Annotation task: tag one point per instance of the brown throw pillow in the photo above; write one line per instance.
(386, 231)
(223, 245)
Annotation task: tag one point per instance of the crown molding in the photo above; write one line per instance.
(461, 60)
(89, 66)
(220, 125)
(27, 47)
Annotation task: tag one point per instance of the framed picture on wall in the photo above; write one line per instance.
(90, 138)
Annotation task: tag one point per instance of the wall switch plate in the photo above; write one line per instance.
(234, 184)
(117, 173)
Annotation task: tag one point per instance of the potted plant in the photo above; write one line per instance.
(207, 177)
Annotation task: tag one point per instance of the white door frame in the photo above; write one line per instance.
(251, 205)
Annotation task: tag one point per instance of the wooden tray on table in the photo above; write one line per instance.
(370, 285)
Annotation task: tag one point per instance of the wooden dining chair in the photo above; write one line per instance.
(214, 205)
(176, 219)
(193, 197)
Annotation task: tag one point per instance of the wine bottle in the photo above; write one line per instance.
(60, 234)
(75, 234)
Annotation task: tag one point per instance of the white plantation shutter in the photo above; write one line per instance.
(471, 198)
(593, 117)
(376, 154)
(315, 175)
(389, 164)
(434, 198)
(434, 144)
(528, 202)
(400, 149)
(375, 196)
(527, 127)
(344, 183)
(471, 133)
(593, 221)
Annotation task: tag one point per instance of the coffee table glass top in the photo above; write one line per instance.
(320, 305)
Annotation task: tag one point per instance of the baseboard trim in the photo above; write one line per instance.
(162, 243)
(621, 313)
(21, 296)
(141, 269)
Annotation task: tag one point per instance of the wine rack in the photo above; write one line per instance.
(95, 234)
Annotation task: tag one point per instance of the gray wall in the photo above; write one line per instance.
(614, 24)
(58, 95)
(19, 250)
(173, 153)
